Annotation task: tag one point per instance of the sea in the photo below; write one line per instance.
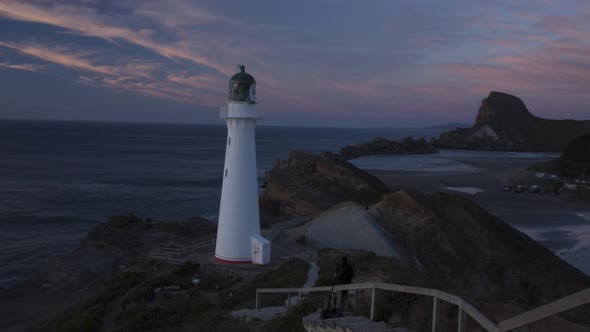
(60, 179)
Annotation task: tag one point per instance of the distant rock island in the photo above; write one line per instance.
(504, 123)
(381, 145)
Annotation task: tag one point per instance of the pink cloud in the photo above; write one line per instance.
(22, 66)
(88, 21)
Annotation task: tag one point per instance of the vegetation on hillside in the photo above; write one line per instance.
(190, 308)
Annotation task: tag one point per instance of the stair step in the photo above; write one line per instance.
(346, 323)
(264, 314)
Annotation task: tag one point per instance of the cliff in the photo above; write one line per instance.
(504, 123)
(381, 145)
(308, 182)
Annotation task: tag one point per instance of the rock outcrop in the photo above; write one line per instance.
(573, 163)
(381, 145)
(469, 251)
(578, 150)
(308, 182)
(504, 123)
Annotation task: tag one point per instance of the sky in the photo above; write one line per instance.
(316, 62)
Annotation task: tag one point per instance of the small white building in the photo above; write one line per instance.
(238, 230)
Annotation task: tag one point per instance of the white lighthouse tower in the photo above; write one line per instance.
(238, 230)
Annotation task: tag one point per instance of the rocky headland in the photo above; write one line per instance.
(308, 182)
(504, 123)
(379, 145)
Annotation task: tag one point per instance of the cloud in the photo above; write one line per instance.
(60, 55)
(392, 59)
(22, 66)
(89, 21)
(125, 75)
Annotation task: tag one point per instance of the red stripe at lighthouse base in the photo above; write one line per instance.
(227, 261)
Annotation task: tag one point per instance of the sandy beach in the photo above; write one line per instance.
(559, 223)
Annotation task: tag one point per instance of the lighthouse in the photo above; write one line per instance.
(238, 229)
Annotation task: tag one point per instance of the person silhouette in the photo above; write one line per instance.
(344, 274)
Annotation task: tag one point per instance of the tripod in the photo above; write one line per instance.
(327, 312)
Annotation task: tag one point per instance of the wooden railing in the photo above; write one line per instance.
(170, 252)
(172, 255)
(181, 251)
(465, 309)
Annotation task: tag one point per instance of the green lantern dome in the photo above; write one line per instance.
(242, 87)
(242, 76)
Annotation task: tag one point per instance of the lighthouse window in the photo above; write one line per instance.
(228, 140)
(226, 173)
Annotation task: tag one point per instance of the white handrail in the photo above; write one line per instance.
(547, 310)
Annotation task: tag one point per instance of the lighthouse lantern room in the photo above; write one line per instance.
(238, 231)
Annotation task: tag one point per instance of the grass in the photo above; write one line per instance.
(292, 273)
(190, 310)
(184, 310)
(182, 277)
(87, 317)
(173, 313)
